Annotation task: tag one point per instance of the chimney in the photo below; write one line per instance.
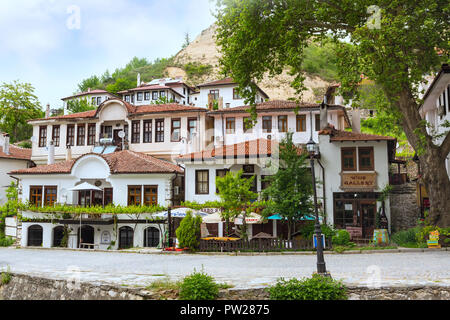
(6, 144)
(324, 114)
(89, 89)
(69, 153)
(356, 120)
(47, 111)
(138, 79)
(51, 153)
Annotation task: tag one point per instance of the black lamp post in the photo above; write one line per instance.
(313, 150)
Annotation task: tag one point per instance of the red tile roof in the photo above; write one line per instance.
(217, 82)
(16, 153)
(339, 135)
(254, 148)
(275, 105)
(122, 162)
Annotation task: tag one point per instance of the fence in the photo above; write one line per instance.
(259, 245)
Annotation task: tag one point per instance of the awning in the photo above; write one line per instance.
(85, 186)
(179, 213)
(213, 218)
(252, 218)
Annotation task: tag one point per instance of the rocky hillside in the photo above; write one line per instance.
(203, 51)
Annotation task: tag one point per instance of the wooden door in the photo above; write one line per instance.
(117, 141)
(368, 212)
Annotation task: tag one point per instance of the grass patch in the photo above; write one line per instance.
(6, 276)
(164, 284)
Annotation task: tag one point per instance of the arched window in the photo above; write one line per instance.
(58, 235)
(87, 235)
(125, 238)
(35, 233)
(151, 237)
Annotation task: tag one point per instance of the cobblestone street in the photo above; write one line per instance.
(373, 269)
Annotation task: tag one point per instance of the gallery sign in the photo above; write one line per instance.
(358, 181)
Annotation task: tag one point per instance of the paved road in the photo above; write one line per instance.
(425, 268)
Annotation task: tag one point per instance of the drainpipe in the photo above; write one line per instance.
(324, 192)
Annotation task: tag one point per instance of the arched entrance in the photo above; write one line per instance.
(58, 235)
(125, 237)
(35, 234)
(151, 237)
(87, 235)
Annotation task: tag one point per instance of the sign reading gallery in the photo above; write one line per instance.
(351, 181)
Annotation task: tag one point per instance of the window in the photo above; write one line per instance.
(215, 94)
(148, 131)
(301, 123)
(147, 96)
(267, 124)
(132, 98)
(192, 127)
(150, 196)
(108, 196)
(94, 100)
(70, 141)
(254, 187)
(236, 94)
(125, 128)
(42, 136)
(127, 98)
(202, 182)
(247, 125)
(139, 96)
(159, 135)
(231, 125)
(81, 134)
(134, 195)
(343, 213)
(221, 173)
(365, 156)
(50, 197)
(162, 94)
(136, 131)
(176, 128)
(348, 159)
(317, 122)
(155, 95)
(56, 130)
(99, 101)
(106, 131)
(282, 124)
(36, 196)
(91, 134)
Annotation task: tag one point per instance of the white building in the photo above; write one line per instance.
(436, 107)
(95, 97)
(11, 158)
(159, 130)
(124, 178)
(224, 92)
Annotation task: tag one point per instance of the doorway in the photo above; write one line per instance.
(125, 238)
(87, 235)
(117, 141)
(35, 235)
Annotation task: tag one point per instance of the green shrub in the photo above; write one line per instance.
(307, 230)
(315, 288)
(342, 238)
(6, 242)
(6, 276)
(188, 233)
(406, 237)
(199, 286)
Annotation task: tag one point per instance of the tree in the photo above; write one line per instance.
(89, 83)
(290, 188)
(17, 105)
(120, 85)
(79, 105)
(187, 40)
(189, 232)
(394, 43)
(236, 195)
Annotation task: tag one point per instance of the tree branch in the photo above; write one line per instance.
(445, 146)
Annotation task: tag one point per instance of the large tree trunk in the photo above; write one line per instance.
(432, 160)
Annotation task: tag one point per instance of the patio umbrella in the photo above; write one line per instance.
(252, 218)
(85, 186)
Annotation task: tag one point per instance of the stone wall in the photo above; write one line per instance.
(24, 287)
(404, 209)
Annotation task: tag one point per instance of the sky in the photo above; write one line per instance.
(55, 44)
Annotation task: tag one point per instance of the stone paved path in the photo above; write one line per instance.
(411, 268)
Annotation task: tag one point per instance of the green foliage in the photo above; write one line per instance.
(320, 60)
(236, 197)
(6, 242)
(26, 145)
(315, 288)
(195, 70)
(342, 238)
(188, 233)
(6, 276)
(405, 237)
(79, 105)
(163, 100)
(199, 286)
(307, 230)
(18, 103)
(125, 78)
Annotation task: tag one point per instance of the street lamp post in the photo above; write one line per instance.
(313, 150)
